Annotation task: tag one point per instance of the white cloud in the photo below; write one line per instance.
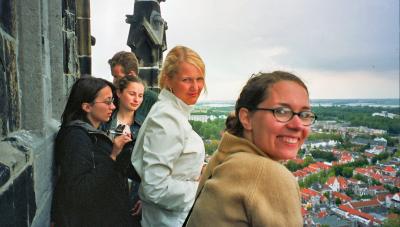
(344, 49)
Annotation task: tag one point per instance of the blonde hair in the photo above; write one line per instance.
(172, 62)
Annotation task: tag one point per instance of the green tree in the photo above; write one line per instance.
(347, 172)
(211, 146)
(392, 222)
(293, 166)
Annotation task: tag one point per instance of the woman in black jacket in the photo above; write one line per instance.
(91, 188)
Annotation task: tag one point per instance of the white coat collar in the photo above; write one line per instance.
(166, 95)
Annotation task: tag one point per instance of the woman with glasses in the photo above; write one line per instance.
(245, 183)
(91, 187)
(168, 154)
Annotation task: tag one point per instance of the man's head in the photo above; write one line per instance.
(123, 63)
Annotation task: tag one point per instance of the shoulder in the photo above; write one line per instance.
(150, 95)
(166, 114)
(251, 166)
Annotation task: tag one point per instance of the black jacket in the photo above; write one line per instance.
(91, 188)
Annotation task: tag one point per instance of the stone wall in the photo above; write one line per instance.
(39, 62)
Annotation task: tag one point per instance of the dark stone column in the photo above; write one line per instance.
(84, 36)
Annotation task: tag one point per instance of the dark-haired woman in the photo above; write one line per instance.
(91, 188)
(244, 183)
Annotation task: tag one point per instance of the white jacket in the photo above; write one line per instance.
(168, 155)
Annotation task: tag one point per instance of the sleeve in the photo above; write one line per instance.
(123, 163)
(82, 173)
(162, 145)
(276, 203)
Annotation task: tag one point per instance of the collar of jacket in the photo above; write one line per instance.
(88, 127)
(232, 144)
(166, 95)
(114, 120)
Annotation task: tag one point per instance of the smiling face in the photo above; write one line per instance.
(101, 109)
(187, 84)
(131, 97)
(280, 141)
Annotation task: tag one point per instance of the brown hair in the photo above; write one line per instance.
(127, 60)
(122, 83)
(256, 91)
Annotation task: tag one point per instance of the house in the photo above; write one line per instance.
(376, 190)
(354, 214)
(320, 166)
(337, 183)
(360, 189)
(389, 171)
(376, 150)
(366, 205)
(393, 200)
(310, 196)
(300, 174)
(364, 171)
(345, 158)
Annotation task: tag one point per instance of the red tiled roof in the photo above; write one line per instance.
(389, 169)
(303, 211)
(323, 165)
(322, 214)
(341, 180)
(300, 173)
(352, 211)
(342, 197)
(310, 192)
(309, 170)
(368, 203)
(376, 187)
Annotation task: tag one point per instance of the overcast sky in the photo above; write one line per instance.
(340, 48)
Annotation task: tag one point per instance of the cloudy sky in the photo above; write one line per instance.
(342, 49)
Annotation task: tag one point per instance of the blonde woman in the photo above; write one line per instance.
(168, 154)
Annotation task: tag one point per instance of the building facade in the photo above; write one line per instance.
(45, 45)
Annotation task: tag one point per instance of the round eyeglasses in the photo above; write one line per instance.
(107, 102)
(284, 114)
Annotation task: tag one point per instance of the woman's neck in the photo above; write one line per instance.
(125, 116)
(93, 122)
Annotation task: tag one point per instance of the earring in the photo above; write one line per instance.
(170, 90)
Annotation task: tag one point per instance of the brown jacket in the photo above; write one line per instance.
(242, 186)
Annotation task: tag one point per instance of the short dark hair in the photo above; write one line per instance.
(256, 91)
(127, 60)
(83, 90)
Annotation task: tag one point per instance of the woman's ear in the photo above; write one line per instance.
(245, 118)
(87, 107)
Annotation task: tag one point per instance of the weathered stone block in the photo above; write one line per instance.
(70, 53)
(3, 92)
(14, 120)
(17, 203)
(4, 174)
(7, 16)
(69, 5)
